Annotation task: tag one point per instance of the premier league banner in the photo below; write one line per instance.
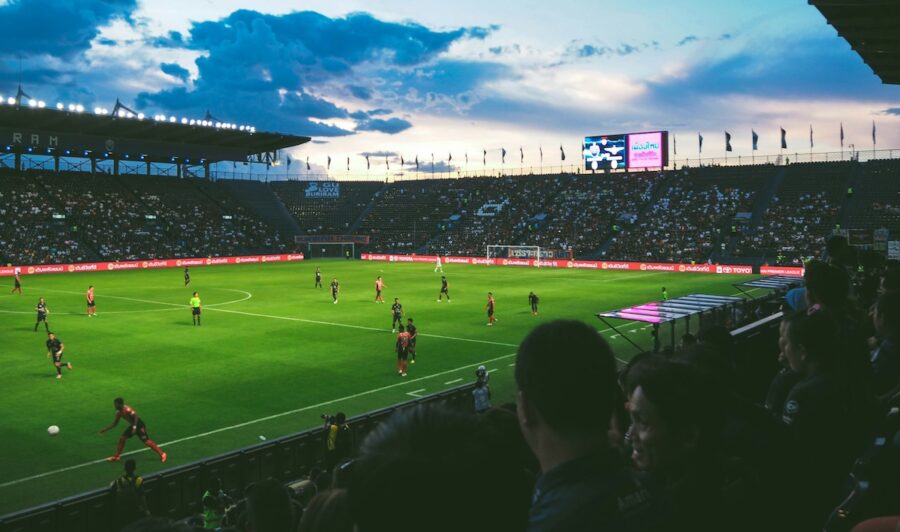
(322, 189)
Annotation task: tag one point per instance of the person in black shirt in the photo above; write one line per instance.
(335, 289)
(444, 290)
(533, 301)
(55, 350)
(42, 312)
(397, 313)
(886, 356)
(584, 484)
(17, 286)
(187, 277)
(412, 330)
(318, 278)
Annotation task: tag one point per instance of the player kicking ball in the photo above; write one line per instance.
(55, 350)
(135, 427)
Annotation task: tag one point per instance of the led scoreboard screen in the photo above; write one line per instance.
(627, 151)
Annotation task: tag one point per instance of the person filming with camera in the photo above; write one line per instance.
(338, 443)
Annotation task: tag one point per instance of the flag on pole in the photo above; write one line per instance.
(402, 162)
(521, 155)
(755, 138)
(484, 157)
(842, 134)
(449, 158)
(348, 164)
(783, 139)
(675, 144)
(541, 150)
(288, 158)
(873, 133)
(307, 163)
(467, 158)
(727, 141)
(810, 137)
(387, 163)
(562, 153)
(503, 155)
(700, 138)
(417, 163)
(328, 166)
(368, 166)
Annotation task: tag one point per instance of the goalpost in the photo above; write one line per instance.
(503, 251)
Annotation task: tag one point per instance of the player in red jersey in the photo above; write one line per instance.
(490, 309)
(91, 306)
(136, 426)
(402, 351)
(379, 286)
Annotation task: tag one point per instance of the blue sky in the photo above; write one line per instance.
(423, 77)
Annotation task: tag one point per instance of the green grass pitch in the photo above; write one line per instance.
(272, 354)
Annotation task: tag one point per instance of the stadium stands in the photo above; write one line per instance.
(327, 216)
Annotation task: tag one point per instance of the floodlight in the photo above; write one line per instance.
(11, 101)
(79, 108)
(60, 106)
(32, 103)
(41, 104)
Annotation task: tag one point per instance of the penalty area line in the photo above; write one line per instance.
(259, 420)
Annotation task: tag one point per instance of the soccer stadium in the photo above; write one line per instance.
(412, 269)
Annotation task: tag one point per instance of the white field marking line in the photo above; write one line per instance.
(415, 393)
(254, 421)
(454, 381)
(247, 295)
(492, 370)
(513, 364)
(362, 327)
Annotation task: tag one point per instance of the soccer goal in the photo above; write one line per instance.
(496, 251)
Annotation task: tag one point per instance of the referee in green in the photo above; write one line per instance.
(195, 308)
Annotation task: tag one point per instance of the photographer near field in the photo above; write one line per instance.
(339, 441)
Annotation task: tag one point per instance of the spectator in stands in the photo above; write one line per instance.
(828, 425)
(328, 511)
(339, 442)
(583, 485)
(466, 474)
(886, 356)
(157, 524)
(269, 507)
(129, 491)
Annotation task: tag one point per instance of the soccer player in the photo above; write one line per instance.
(17, 287)
(402, 351)
(379, 286)
(490, 308)
(55, 350)
(444, 290)
(318, 278)
(42, 312)
(187, 276)
(437, 265)
(91, 305)
(135, 426)
(397, 312)
(196, 308)
(533, 301)
(413, 333)
(665, 294)
(335, 290)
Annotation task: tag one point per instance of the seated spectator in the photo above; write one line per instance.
(129, 490)
(565, 409)
(328, 511)
(886, 356)
(269, 507)
(157, 524)
(428, 468)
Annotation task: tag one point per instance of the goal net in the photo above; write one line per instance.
(497, 251)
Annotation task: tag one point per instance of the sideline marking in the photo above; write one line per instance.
(454, 381)
(415, 393)
(254, 421)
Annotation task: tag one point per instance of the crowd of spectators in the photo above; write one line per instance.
(75, 218)
(327, 216)
(688, 220)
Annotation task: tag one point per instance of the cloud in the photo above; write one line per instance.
(391, 126)
(58, 28)
(891, 111)
(725, 37)
(279, 69)
(175, 70)
(581, 50)
(687, 40)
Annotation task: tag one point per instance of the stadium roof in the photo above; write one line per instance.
(872, 27)
(159, 139)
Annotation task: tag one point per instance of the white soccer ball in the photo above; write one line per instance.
(53, 430)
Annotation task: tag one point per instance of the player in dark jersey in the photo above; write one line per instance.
(413, 332)
(187, 277)
(533, 301)
(490, 309)
(397, 313)
(42, 312)
(444, 290)
(17, 287)
(55, 350)
(335, 290)
(135, 427)
(402, 351)
(318, 278)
